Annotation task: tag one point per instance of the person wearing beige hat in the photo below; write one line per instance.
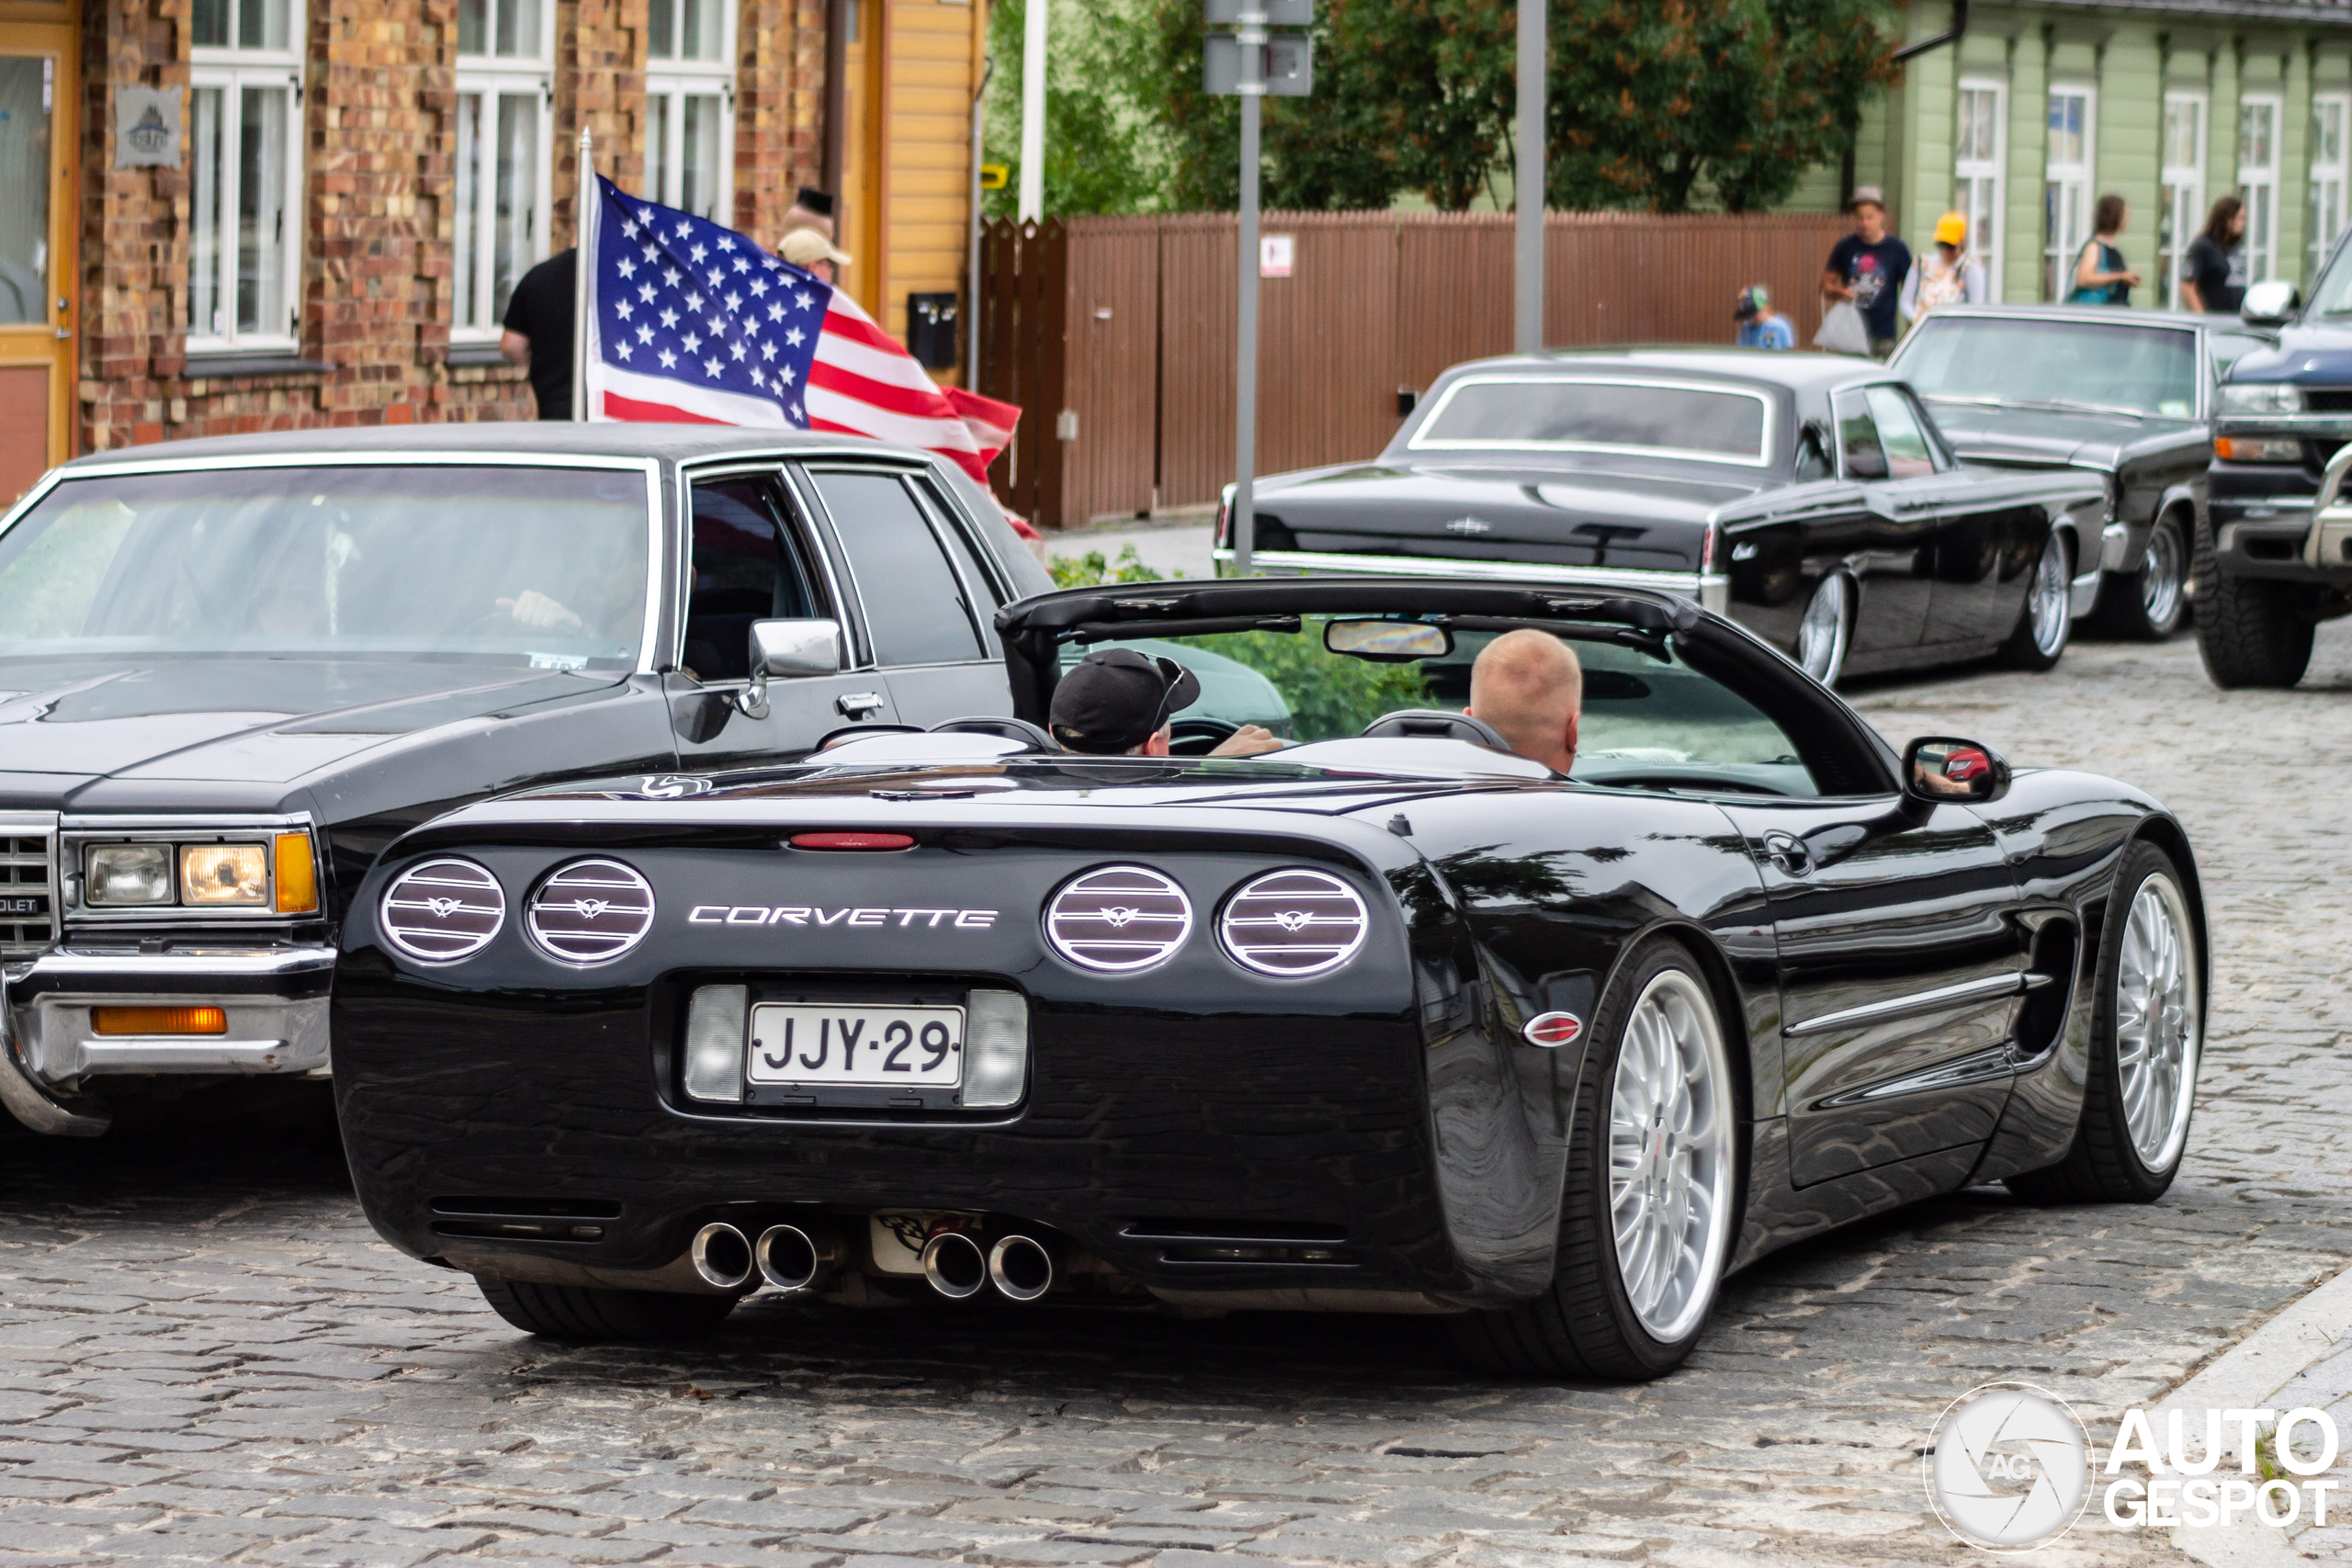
(1950, 277)
(811, 251)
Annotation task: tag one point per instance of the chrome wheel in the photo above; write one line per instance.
(2047, 600)
(2157, 1014)
(2162, 578)
(1821, 638)
(1671, 1144)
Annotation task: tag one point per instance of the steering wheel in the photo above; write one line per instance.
(1198, 737)
(1021, 729)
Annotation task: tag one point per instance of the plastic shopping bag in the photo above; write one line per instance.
(1841, 331)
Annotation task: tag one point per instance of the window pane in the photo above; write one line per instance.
(474, 26)
(465, 290)
(1597, 414)
(1908, 455)
(698, 190)
(503, 33)
(745, 570)
(261, 210)
(658, 148)
(914, 608)
(210, 27)
(204, 315)
(261, 24)
(661, 29)
(1858, 437)
(2107, 363)
(24, 189)
(2254, 135)
(526, 27)
(705, 37)
(518, 183)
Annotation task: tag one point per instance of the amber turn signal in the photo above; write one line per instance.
(298, 875)
(159, 1020)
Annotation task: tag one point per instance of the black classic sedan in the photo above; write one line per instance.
(2128, 395)
(1808, 496)
(233, 670)
(1391, 1021)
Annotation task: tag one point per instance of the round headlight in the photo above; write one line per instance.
(592, 911)
(1294, 923)
(442, 910)
(1119, 919)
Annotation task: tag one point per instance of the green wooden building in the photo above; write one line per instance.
(2039, 107)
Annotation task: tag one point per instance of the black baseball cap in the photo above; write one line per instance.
(1117, 698)
(811, 200)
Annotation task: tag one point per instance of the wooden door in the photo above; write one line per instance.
(864, 165)
(39, 72)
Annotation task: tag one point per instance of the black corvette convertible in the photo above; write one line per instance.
(1391, 1021)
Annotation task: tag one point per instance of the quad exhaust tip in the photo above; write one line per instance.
(1020, 1267)
(955, 1265)
(722, 1257)
(791, 1259)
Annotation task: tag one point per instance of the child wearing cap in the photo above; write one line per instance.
(1951, 277)
(1760, 326)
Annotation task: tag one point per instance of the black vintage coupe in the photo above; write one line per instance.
(1810, 497)
(1391, 1021)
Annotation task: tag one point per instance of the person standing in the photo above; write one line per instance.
(2100, 275)
(1950, 277)
(1760, 326)
(1867, 269)
(809, 250)
(538, 330)
(810, 208)
(2214, 276)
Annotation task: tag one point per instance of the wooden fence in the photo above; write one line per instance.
(1115, 334)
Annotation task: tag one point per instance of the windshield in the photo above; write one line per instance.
(1718, 424)
(2332, 295)
(1648, 720)
(537, 566)
(2039, 361)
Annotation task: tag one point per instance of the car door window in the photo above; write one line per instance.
(917, 609)
(1910, 454)
(748, 566)
(1813, 457)
(1860, 453)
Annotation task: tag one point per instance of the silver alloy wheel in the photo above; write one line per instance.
(2161, 578)
(2047, 601)
(1672, 1138)
(2158, 1021)
(1821, 638)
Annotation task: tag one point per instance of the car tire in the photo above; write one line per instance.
(2044, 625)
(591, 1316)
(2149, 604)
(1827, 633)
(2248, 631)
(2147, 1035)
(1611, 1313)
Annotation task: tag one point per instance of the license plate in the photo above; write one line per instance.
(871, 1047)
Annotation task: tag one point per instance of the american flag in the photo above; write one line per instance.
(692, 324)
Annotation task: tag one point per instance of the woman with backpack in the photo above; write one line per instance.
(1950, 277)
(2100, 275)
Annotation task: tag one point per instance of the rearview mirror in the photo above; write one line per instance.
(1387, 642)
(1939, 768)
(788, 649)
(2270, 303)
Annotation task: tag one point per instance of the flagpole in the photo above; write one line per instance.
(589, 200)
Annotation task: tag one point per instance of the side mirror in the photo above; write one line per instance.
(1939, 768)
(788, 649)
(2270, 303)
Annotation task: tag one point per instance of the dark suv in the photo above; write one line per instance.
(2269, 568)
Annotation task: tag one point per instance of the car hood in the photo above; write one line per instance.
(1988, 435)
(2316, 353)
(257, 720)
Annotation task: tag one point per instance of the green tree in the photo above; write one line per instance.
(1100, 154)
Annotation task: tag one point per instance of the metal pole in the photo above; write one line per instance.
(1527, 334)
(586, 203)
(1032, 111)
(972, 262)
(1252, 34)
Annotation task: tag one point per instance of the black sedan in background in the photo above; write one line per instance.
(2126, 395)
(1809, 496)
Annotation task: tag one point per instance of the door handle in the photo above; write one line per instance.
(1791, 853)
(857, 705)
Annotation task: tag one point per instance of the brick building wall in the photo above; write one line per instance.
(375, 295)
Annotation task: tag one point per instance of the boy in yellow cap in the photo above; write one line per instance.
(1949, 277)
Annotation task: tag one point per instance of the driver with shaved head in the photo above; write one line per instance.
(1527, 685)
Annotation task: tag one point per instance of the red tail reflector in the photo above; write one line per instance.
(1552, 1030)
(852, 841)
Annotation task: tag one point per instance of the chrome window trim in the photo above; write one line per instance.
(726, 467)
(1767, 443)
(420, 457)
(982, 599)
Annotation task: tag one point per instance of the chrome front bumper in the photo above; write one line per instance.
(275, 999)
(1711, 591)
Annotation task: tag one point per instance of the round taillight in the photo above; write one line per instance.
(1294, 923)
(442, 910)
(591, 911)
(1119, 919)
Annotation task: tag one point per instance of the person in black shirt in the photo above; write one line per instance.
(1867, 268)
(538, 330)
(2213, 273)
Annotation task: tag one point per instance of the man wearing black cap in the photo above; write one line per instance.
(810, 208)
(1118, 701)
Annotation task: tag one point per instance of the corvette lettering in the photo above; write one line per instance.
(814, 915)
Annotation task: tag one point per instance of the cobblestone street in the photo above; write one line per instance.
(206, 1355)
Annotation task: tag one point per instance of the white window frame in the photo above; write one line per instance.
(1980, 185)
(231, 71)
(2067, 199)
(2328, 213)
(669, 82)
(2262, 217)
(472, 239)
(2184, 185)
